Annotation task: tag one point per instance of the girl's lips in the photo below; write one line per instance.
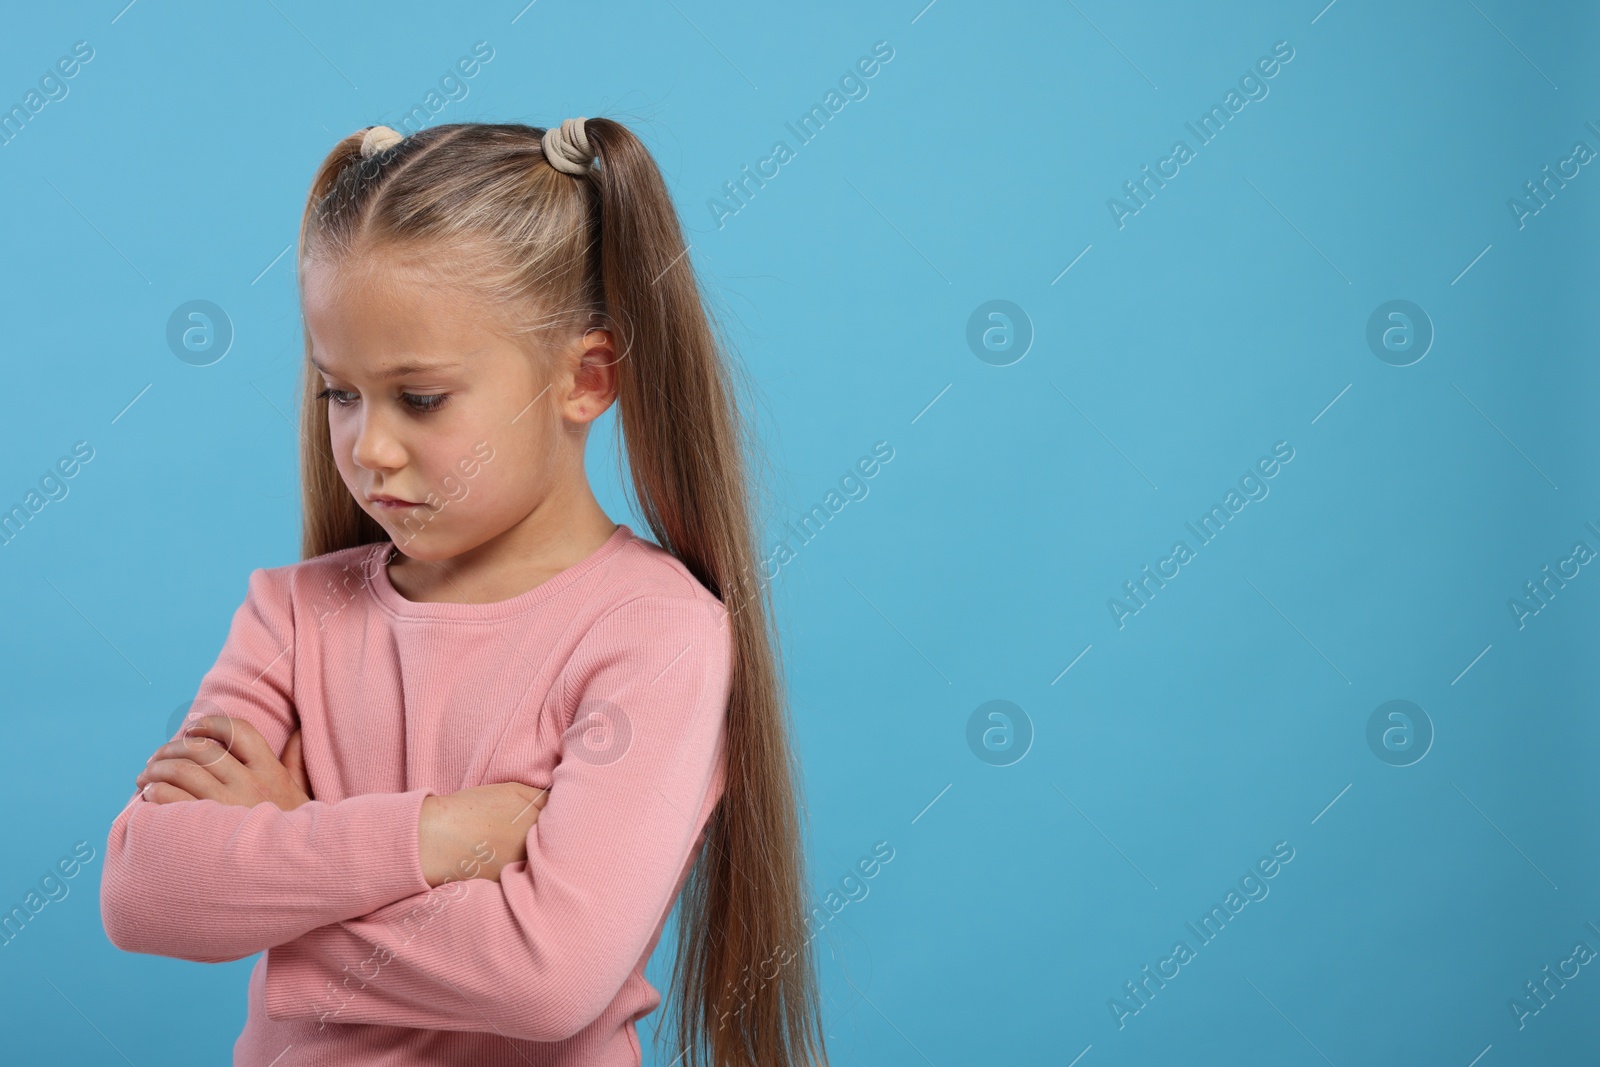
(384, 503)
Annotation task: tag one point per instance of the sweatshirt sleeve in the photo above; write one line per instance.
(541, 953)
(210, 882)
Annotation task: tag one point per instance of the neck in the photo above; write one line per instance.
(550, 539)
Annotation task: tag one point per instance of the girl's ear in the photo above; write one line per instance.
(597, 367)
(598, 345)
(594, 386)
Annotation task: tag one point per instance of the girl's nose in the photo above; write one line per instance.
(376, 447)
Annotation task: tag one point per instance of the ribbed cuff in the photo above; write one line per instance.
(388, 825)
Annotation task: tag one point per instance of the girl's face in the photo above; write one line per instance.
(430, 408)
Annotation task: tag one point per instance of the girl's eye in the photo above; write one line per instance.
(426, 402)
(335, 395)
(422, 402)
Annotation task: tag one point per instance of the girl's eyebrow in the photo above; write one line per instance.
(400, 370)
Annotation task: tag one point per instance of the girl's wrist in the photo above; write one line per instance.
(441, 849)
(431, 835)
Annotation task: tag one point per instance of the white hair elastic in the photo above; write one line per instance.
(377, 139)
(567, 147)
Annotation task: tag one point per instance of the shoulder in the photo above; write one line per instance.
(648, 607)
(657, 656)
(644, 571)
(333, 577)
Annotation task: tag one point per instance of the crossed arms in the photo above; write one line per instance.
(334, 889)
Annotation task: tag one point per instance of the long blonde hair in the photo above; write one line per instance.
(560, 251)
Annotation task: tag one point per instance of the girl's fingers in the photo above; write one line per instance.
(165, 793)
(219, 757)
(243, 741)
(232, 735)
(196, 781)
(204, 752)
(294, 762)
(198, 748)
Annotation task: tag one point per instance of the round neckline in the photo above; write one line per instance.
(495, 610)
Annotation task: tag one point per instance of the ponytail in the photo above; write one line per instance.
(744, 968)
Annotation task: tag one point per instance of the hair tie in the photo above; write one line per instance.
(567, 147)
(377, 139)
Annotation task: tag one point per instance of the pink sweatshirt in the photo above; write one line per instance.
(608, 684)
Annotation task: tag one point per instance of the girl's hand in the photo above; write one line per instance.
(474, 833)
(295, 763)
(219, 757)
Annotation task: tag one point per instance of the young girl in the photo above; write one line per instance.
(455, 767)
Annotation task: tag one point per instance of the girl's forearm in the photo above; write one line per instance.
(200, 880)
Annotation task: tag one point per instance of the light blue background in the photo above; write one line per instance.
(1228, 314)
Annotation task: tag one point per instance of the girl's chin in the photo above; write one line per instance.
(411, 536)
